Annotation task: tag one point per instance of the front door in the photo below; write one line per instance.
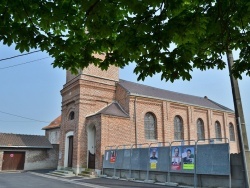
(91, 161)
(13, 160)
(91, 146)
(70, 154)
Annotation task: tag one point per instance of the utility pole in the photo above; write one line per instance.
(240, 121)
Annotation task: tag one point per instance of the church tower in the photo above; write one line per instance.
(83, 95)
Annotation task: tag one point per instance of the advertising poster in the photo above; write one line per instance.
(112, 156)
(107, 156)
(188, 158)
(176, 158)
(153, 158)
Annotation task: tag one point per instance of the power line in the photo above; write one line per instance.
(23, 63)
(24, 117)
(16, 121)
(19, 55)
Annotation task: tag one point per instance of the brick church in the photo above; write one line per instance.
(100, 110)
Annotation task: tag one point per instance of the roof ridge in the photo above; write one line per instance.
(21, 134)
(54, 124)
(121, 107)
(102, 109)
(226, 108)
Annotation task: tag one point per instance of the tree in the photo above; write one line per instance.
(140, 31)
(167, 37)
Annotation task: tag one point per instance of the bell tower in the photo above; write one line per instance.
(84, 94)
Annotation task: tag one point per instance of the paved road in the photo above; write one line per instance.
(39, 180)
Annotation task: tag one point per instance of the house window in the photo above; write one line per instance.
(218, 131)
(150, 126)
(71, 115)
(178, 128)
(231, 132)
(200, 129)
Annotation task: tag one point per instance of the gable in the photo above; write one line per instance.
(113, 109)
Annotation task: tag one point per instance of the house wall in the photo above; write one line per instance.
(165, 112)
(53, 135)
(36, 158)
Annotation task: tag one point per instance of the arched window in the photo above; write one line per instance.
(178, 128)
(71, 115)
(150, 126)
(231, 132)
(218, 131)
(200, 129)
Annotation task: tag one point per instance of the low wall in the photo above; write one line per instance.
(41, 159)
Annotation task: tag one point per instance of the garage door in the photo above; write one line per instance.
(13, 160)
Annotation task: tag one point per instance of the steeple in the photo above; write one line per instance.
(93, 72)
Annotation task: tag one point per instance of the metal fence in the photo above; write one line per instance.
(186, 156)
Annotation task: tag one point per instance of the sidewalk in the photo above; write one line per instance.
(102, 182)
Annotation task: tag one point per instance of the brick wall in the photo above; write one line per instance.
(122, 97)
(111, 74)
(95, 89)
(94, 121)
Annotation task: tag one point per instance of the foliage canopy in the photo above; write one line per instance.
(170, 37)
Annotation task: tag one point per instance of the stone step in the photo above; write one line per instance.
(62, 173)
(67, 169)
(88, 173)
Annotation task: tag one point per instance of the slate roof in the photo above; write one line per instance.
(148, 91)
(113, 109)
(56, 123)
(23, 141)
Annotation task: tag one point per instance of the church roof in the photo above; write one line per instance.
(23, 141)
(54, 124)
(113, 109)
(148, 91)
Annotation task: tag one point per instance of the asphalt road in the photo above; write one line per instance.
(39, 180)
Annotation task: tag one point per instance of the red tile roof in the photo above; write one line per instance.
(24, 141)
(54, 124)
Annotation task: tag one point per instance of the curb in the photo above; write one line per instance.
(73, 181)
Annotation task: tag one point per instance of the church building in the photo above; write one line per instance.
(100, 110)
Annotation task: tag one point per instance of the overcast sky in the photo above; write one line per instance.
(32, 90)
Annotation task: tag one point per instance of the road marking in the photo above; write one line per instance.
(70, 181)
(76, 179)
(10, 172)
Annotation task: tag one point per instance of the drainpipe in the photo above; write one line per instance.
(135, 121)
(163, 121)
